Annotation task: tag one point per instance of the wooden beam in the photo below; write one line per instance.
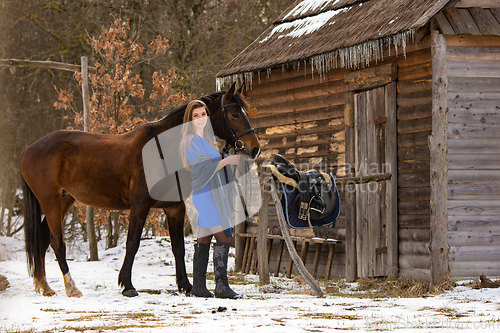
(44, 64)
(291, 248)
(350, 199)
(262, 239)
(478, 3)
(438, 145)
(371, 77)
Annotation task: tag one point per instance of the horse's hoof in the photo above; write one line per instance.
(76, 294)
(49, 293)
(130, 293)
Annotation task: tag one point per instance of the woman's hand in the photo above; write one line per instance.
(232, 160)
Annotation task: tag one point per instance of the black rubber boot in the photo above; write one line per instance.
(200, 262)
(222, 289)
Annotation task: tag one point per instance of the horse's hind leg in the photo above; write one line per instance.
(175, 220)
(39, 278)
(55, 210)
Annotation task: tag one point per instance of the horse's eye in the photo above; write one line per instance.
(235, 115)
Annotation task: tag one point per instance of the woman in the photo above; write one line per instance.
(210, 198)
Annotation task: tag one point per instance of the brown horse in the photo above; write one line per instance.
(106, 171)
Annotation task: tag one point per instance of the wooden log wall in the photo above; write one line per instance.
(473, 68)
(414, 114)
(301, 118)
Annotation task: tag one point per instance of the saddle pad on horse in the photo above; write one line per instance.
(310, 199)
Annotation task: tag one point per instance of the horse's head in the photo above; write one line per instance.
(229, 117)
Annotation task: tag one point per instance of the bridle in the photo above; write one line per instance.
(235, 136)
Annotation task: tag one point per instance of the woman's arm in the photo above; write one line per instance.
(230, 160)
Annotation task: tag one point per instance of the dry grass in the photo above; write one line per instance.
(400, 287)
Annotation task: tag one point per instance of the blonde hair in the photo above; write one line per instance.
(188, 131)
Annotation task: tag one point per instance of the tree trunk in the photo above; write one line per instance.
(93, 255)
(116, 228)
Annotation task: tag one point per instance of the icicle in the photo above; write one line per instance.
(355, 57)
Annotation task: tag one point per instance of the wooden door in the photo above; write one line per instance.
(376, 153)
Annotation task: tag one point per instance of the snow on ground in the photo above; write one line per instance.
(283, 306)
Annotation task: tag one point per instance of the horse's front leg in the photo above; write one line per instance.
(137, 219)
(175, 220)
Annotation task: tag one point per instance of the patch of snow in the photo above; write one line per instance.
(284, 305)
(308, 5)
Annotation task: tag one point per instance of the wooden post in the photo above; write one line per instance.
(350, 194)
(291, 249)
(438, 145)
(239, 246)
(89, 212)
(262, 239)
(391, 153)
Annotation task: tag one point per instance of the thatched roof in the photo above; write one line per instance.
(323, 32)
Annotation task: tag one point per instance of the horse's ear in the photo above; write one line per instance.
(242, 89)
(230, 93)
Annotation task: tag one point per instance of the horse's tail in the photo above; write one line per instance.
(36, 232)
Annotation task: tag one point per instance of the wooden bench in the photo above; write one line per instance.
(250, 244)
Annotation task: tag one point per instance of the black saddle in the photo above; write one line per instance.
(310, 199)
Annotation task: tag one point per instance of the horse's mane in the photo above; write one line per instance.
(207, 100)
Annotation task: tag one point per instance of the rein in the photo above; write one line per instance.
(235, 136)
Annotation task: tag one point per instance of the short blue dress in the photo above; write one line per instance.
(208, 216)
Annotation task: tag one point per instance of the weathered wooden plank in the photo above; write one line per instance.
(462, 21)
(414, 194)
(371, 77)
(473, 161)
(413, 180)
(286, 96)
(478, 3)
(280, 80)
(415, 235)
(414, 166)
(473, 176)
(413, 139)
(412, 153)
(304, 115)
(464, 271)
(415, 248)
(474, 116)
(414, 58)
(417, 98)
(473, 131)
(472, 192)
(472, 41)
(438, 147)
(414, 221)
(300, 129)
(408, 261)
(414, 112)
(414, 207)
(297, 141)
(391, 149)
(474, 84)
(414, 125)
(473, 54)
(483, 100)
(414, 85)
(321, 102)
(416, 274)
(474, 253)
(478, 146)
(350, 201)
(474, 223)
(262, 254)
(473, 69)
(496, 13)
(473, 238)
(485, 20)
(473, 207)
(420, 70)
(443, 24)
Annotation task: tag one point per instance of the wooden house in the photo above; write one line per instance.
(406, 87)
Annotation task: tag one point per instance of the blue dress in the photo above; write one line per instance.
(208, 216)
